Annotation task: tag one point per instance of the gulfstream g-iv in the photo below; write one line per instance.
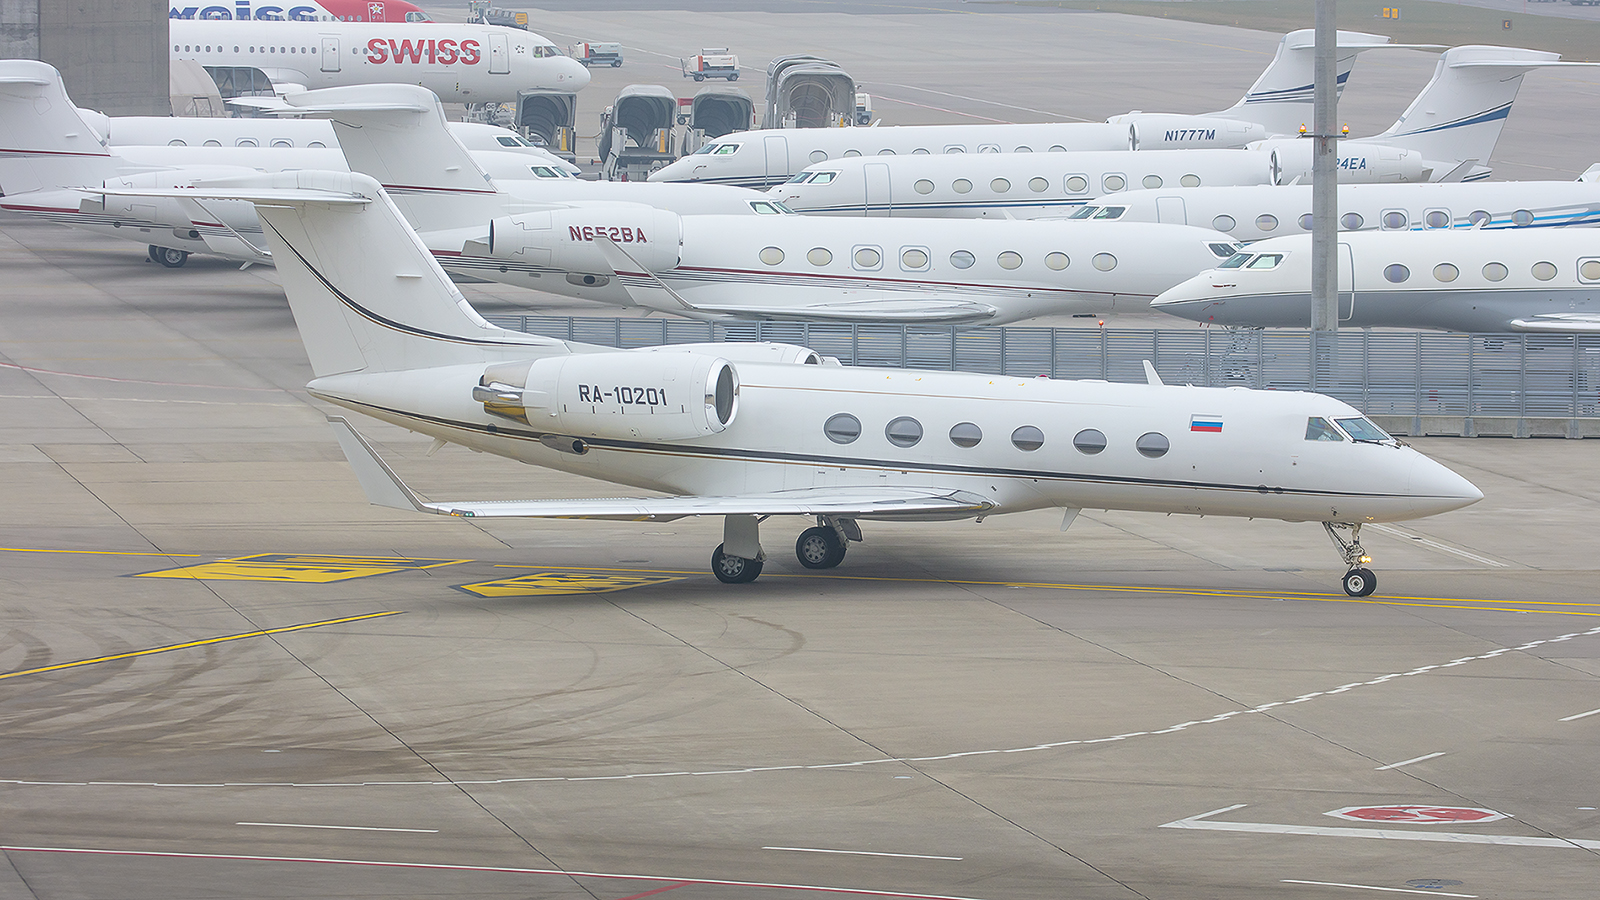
(748, 431)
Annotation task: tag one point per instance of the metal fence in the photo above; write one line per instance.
(1383, 373)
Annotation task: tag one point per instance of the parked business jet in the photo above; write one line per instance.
(460, 63)
(304, 11)
(748, 431)
(1281, 95)
(1471, 280)
(1252, 213)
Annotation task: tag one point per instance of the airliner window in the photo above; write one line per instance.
(842, 428)
(868, 258)
(1318, 429)
(1105, 262)
(1038, 185)
(852, 153)
(1223, 251)
(1478, 217)
(1351, 221)
(819, 256)
(1522, 217)
(1190, 181)
(801, 178)
(1394, 220)
(886, 152)
(923, 186)
(1084, 212)
(1589, 270)
(920, 151)
(1089, 441)
(1057, 148)
(1077, 184)
(725, 149)
(1305, 222)
(818, 155)
(1544, 271)
(914, 259)
(1266, 222)
(1223, 223)
(1151, 181)
(1394, 273)
(1235, 261)
(1445, 272)
(282, 142)
(1009, 260)
(1267, 261)
(176, 142)
(1495, 272)
(1111, 212)
(1437, 218)
(1023, 150)
(903, 432)
(961, 259)
(999, 185)
(215, 143)
(825, 177)
(1114, 182)
(1152, 445)
(962, 185)
(771, 255)
(1058, 261)
(1362, 430)
(1027, 438)
(966, 434)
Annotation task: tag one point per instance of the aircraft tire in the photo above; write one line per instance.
(819, 548)
(1360, 582)
(167, 256)
(734, 569)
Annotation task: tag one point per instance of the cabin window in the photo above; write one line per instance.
(1105, 262)
(1522, 217)
(1445, 272)
(920, 151)
(1114, 182)
(842, 428)
(236, 48)
(1153, 445)
(966, 434)
(818, 155)
(1305, 222)
(1151, 181)
(923, 186)
(903, 431)
(962, 259)
(1023, 150)
(913, 259)
(852, 153)
(1362, 430)
(1235, 261)
(955, 148)
(771, 255)
(1394, 273)
(1027, 438)
(283, 142)
(1077, 184)
(1223, 223)
(819, 256)
(1056, 261)
(1351, 221)
(1267, 261)
(999, 185)
(867, 258)
(245, 142)
(1495, 271)
(1544, 271)
(886, 152)
(825, 177)
(961, 185)
(1437, 218)
(1089, 441)
(176, 142)
(1266, 222)
(1478, 217)
(1589, 270)
(1038, 185)
(1395, 220)
(1009, 259)
(1319, 429)
(988, 148)
(212, 143)
(1057, 148)
(1190, 181)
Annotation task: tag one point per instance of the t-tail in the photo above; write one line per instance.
(45, 141)
(1281, 99)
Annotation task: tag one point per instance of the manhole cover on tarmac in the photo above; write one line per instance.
(1417, 815)
(1433, 884)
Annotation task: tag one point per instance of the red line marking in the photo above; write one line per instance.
(659, 890)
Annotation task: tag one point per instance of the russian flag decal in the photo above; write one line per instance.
(1206, 423)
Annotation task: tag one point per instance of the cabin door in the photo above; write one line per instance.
(1169, 211)
(330, 54)
(777, 149)
(877, 182)
(499, 55)
(1347, 284)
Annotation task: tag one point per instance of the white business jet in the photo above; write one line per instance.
(1454, 280)
(460, 63)
(748, 431)
(1275, 104)
(1253, 213)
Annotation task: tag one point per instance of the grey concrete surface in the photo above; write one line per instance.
(992, 710)
(112, 54)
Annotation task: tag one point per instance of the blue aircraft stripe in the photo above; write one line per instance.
(1499, 112)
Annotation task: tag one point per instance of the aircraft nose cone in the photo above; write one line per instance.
(1183, 298)
(574, 75)
(1435, 488)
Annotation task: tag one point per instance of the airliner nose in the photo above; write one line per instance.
(573, 75)
(1435, 488)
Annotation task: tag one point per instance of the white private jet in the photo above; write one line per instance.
(1253, 213)
(756, 430)
(460, 63)
(1453, 280)
(1279, 100)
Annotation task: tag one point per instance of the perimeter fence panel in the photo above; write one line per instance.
(930, 348)
(1080, 353)
(980, 350)
(1028, 352)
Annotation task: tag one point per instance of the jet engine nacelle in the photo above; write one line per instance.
(565, 238)
(1358, 163)
(623, 396)
(1178, 132)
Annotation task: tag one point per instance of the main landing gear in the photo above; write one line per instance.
(739, 558)
(1359, 581)
(167, 256)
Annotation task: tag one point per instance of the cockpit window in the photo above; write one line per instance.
(782, 209)
(798, 179)
(1266, 261)
(1223, 251)
(1235, 261)
(1111, 212)
(725, 149)
(765, 208)
(709, 148)
(824, 177)
(546, 52)
(544, 172)
(1084, 212)
(1319, 429)
(1363, 430)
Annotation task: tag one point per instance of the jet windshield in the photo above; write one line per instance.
(1235, 261)
(1320, 429)
(1266, 261)
(1362, 429)
(770, 208)
(1084, 212)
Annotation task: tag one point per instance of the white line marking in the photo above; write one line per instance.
(339, 827)
(1437, 545)
(1592, 712)
(1444, 837)
(1373, 887)
(1407, 762)
(859, 853)
(816, 767)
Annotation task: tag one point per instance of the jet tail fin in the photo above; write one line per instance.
(45, 141)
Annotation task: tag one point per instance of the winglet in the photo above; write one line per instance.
(1150, 377)
(379, 482)
(618, 259)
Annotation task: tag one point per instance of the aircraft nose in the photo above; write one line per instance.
(574, 75)
(1185, 297)
(1435, 488)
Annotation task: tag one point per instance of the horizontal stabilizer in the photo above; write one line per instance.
(1560, 323)
(206, 191)
(928, 311)
(384, 488)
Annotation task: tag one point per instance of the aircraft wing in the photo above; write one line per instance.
(1559, 323)
(384, 488)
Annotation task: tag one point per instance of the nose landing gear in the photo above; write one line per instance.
(1359, 581)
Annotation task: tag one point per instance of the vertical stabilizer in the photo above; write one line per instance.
(45, 142)
(1281, 97)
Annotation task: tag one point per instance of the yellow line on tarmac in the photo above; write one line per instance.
(100, 552)
(200, 643)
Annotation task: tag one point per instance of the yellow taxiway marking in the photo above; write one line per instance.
(302, 568)
(97, 552)
(200, 643)
(566, 582)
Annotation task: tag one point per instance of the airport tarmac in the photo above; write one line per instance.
(223, 674)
